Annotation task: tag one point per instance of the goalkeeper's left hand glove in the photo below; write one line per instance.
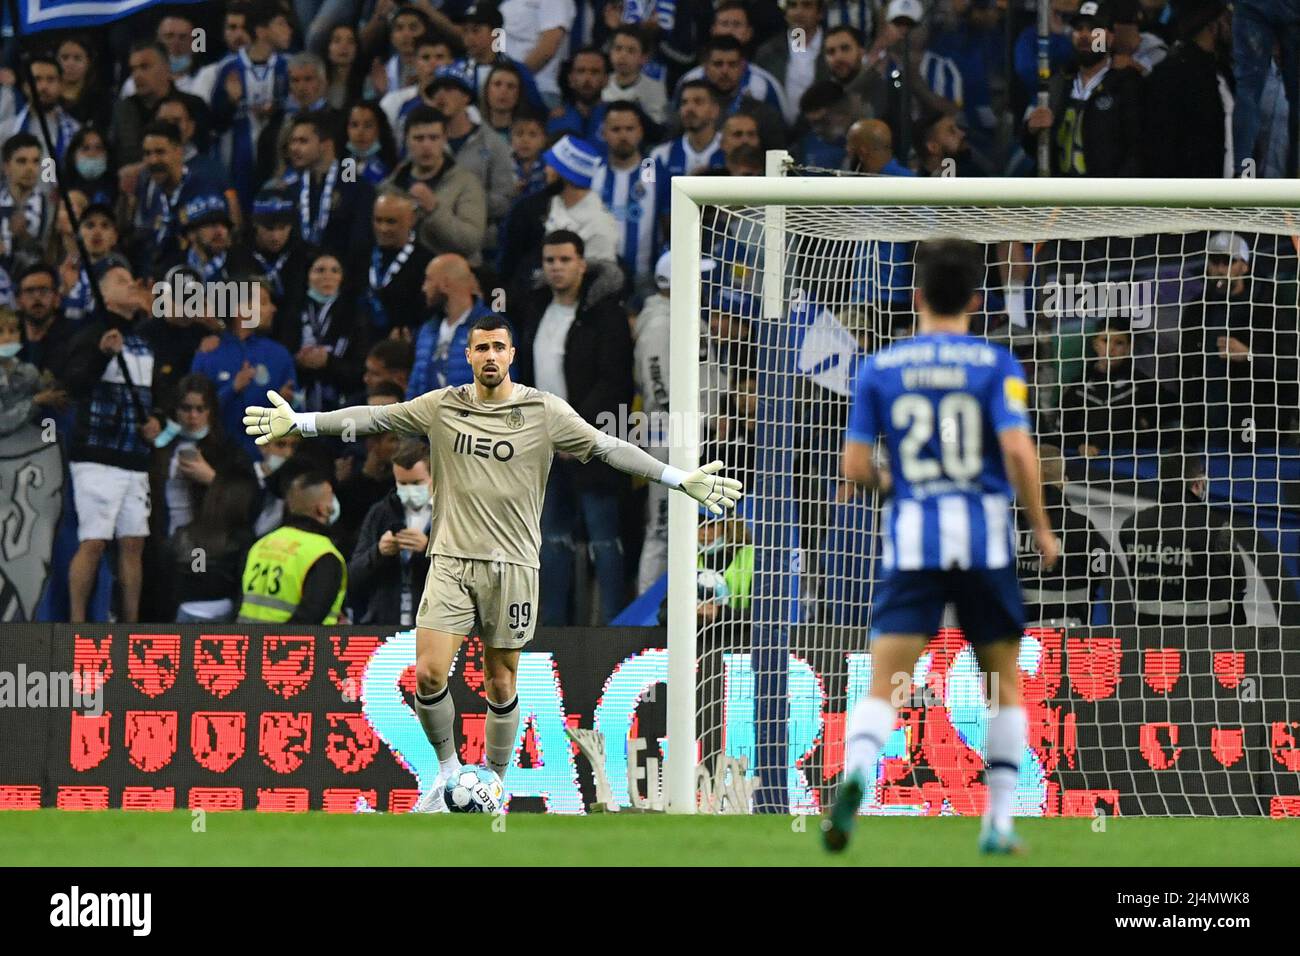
(714, 491)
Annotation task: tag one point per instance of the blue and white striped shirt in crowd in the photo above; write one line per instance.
(853, 13)
(941, 401)
(942, 75)
(631, 197)
(663, 12)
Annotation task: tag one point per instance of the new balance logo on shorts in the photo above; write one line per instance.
(466, 444)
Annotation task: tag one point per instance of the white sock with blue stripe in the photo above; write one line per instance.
(1007, 735)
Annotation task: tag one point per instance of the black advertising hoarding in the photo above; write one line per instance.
(234, 717)
(1200, 721)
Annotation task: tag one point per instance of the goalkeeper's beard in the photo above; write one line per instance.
(491, 379)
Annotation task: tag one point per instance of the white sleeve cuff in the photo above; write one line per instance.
(672, 477)
(306, 424)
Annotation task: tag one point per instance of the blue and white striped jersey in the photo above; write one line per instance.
(940, 401)
(631, 197)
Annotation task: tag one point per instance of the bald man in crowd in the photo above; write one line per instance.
(871, 149)
(455, 300)
(397, 264)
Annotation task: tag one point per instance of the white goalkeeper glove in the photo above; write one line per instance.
(268, 424)
(715, 492)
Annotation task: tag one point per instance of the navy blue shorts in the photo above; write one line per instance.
(988, 601)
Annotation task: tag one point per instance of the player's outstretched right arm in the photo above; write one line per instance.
(279, 419)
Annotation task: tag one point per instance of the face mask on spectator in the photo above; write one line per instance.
(196, 435)
(272, 462)
(414, 497)
(91, 167)
(170, 431)
(10, 349)
(335, 510)
(320, 298)
(180, 64)
(366, 153)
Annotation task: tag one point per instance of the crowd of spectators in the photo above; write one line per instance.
(383, 173)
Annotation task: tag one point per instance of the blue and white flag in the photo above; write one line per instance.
(40, 15)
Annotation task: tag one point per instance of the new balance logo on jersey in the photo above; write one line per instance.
(466, 444)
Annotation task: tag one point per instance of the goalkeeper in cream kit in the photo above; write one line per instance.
(491, 446)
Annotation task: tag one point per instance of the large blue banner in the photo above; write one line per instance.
(40, 15)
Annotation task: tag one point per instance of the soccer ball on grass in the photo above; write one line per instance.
(475, 790)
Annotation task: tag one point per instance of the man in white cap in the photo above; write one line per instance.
(1238, 370)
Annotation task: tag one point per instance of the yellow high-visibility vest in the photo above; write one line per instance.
(276, 567)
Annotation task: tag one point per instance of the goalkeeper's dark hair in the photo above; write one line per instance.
(491, 323)
(948, 271)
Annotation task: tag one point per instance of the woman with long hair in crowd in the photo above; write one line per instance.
(209, 591)
(88, 167)
(502, 97)
(344, 69)
(326, 338)
(370, 142)
(84, 97)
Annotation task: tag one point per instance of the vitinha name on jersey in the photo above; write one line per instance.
(477, 445)
(78, 909)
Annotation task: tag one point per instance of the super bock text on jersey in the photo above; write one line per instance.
(940, 402)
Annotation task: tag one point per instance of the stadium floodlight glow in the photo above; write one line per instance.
(818, 268)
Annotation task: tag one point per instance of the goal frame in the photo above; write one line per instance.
(775, 192)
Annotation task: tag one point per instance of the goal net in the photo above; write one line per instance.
(1157, 325)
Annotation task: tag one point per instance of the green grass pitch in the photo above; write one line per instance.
(116, 838)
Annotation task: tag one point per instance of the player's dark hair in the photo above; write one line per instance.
(164, 128)
(394, 353)
(20, 140)
(386, 389)
(491, 323)
(948, 271)
(410, 453)
(560, 236)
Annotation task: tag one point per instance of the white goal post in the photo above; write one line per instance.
(764, 216)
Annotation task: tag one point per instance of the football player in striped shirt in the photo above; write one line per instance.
(952, 410)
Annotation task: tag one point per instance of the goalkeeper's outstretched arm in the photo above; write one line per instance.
(279, 419)
(570, 433)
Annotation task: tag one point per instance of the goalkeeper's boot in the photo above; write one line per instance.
(434, 800)
(837, 827)
(995, 842)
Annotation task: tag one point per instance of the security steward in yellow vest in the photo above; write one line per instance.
(295, 575)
